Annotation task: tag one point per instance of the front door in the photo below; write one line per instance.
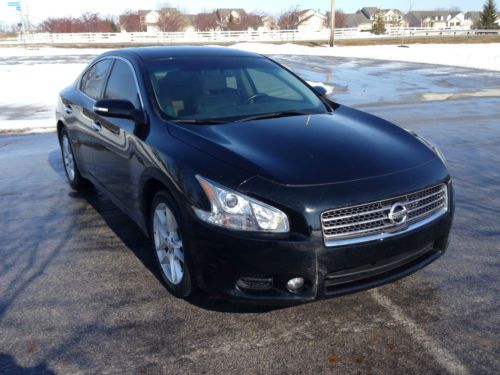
(115, 157)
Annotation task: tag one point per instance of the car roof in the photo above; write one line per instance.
(153, 53)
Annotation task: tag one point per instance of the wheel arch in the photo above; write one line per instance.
(60, 127)
(151, 186)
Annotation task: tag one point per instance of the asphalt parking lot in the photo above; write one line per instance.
(79, 292)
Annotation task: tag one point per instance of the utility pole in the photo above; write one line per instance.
(332, 24)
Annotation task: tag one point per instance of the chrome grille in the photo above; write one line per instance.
(378, 219)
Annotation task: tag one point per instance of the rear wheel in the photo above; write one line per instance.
(70, 167)
(170, 253)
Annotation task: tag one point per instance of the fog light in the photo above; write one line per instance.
(295, 284)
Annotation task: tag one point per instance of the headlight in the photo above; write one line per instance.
(236, 211)
(429, 144)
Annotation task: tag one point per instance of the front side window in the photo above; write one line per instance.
(228, 88)
(121, 84)
(94, 79)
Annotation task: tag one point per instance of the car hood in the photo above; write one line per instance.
(346, 145)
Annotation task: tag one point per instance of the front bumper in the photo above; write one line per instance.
(222, 257)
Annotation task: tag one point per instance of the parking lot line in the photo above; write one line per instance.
(446, 359)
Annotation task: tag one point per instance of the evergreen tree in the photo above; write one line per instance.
(378, 26)
(489, 15)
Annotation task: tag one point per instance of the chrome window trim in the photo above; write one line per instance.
(386, 235)
(112, 57)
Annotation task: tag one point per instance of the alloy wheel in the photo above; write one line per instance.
(69, 161)
(168, 243)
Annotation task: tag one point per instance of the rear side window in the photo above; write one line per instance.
(94, 79)
(122, 85)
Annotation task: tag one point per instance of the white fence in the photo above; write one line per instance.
(238, 36)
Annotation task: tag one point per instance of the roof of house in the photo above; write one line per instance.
(370, 10)
(423, 14)
(356, 19)
(143, 12)
(397, 11)
(474, 16)
(313, 14)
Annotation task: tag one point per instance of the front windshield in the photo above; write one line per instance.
(231, 88)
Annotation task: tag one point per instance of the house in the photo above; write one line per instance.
(364, 18)
(149, 20)
(358, 20)
(437, 19)
(391, 17)
(268, 23)
(473, 19)
(310, 20)
(226, 15)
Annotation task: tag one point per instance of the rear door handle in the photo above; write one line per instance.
(96, 126)
(68, 109)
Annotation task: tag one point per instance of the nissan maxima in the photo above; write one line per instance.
(250, 183)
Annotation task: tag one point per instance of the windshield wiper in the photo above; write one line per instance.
(273, 115)
(200, 121)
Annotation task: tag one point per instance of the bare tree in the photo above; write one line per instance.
(170, 20)
(340, 19)
(93, 23)
(250, 21)
(288, 19)
(131, 21)
(87, 23)
(206, 21)
(62, 25)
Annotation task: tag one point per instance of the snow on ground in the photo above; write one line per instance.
(31, 78)
(476, 56)
(30, 81)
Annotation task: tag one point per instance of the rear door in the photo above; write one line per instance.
(115, 157)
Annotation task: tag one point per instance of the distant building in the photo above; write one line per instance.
(310, 20)
(226, 15)
(391, 17)
(473, 19)
(358, 20)
(149, 20)
(437, 19)
(268, 23)
(364, 18)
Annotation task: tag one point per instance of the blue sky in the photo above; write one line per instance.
(41, 9)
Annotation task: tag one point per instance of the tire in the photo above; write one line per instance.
(172, 257)
(70, 168)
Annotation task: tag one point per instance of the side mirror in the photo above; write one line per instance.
(119, 109)
(320, 90)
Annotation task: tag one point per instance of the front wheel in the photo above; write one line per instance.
(70, 167)
(169, 249)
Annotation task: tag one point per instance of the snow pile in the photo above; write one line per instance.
(476, 56)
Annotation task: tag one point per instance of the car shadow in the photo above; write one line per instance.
(134, 239)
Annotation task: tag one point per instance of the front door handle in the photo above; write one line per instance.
(96, 126)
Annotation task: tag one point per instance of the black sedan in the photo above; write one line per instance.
(250, 183)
